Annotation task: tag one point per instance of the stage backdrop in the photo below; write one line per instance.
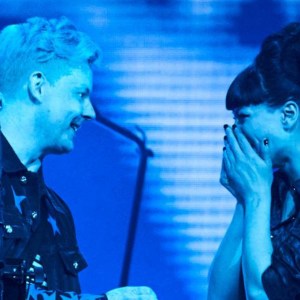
(165, 67)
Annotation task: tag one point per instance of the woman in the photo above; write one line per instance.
(259, 257)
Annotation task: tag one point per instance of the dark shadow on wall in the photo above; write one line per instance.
(256, 20)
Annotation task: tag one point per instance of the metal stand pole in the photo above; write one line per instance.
(144, 154)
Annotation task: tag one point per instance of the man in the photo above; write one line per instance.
(45, 84)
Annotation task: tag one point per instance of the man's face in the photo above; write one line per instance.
(66, 105)
(258, 122)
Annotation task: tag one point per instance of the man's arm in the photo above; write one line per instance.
(34, 293)
(124, 293)
(226, 275)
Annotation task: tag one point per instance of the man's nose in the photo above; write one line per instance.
(88, 110)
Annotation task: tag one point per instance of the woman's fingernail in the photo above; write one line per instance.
(225, 138)
(224, 148)
(233, 126)
(226, 126)
(266, 142)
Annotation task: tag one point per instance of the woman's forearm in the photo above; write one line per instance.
(257, 245)
(225, 276)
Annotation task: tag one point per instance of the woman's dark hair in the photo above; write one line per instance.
(274, 77)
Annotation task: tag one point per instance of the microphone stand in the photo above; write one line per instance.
(144, 154)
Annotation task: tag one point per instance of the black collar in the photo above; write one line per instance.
(11, 162)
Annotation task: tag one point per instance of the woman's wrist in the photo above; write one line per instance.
(258, 200)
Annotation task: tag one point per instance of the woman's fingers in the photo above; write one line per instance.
(231, 142)
(240, 147)
(244, 144)
(228, 155)
(228, 164)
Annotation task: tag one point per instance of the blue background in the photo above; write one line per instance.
(166, 66)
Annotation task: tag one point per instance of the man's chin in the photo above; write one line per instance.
(63, 149)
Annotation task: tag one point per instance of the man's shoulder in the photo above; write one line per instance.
(57, 202)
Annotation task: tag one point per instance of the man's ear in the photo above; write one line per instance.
(289, 114)
(36, 84)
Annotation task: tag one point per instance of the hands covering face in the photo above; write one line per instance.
(131, 293)
(246, 172)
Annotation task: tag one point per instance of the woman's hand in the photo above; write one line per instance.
(246, 172)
